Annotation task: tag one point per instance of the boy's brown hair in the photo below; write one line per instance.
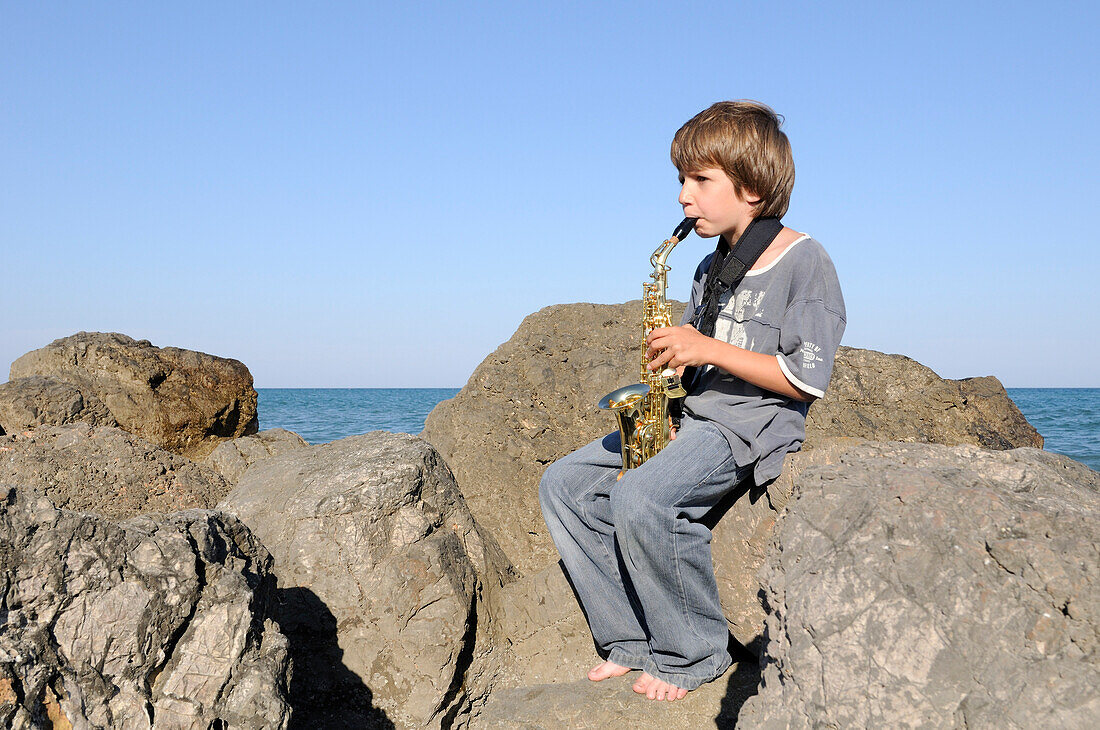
(743, 139)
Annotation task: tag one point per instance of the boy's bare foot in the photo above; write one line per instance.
(601, 672)
(657, 689)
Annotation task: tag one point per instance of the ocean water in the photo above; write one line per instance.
(320, 415)
(1068, 418)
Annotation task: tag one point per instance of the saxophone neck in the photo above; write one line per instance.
(661, 254)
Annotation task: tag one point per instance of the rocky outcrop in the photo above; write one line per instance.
(232, 458)
(534, 400)
(882, 397)
(181, 400)
(913, 585)
(26, 403)
(106, 470)
(385, 577)
(149, 623)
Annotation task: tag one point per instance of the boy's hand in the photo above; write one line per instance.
(676, 347)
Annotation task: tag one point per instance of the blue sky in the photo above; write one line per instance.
(369, 195)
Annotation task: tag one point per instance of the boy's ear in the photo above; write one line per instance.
(750, 197)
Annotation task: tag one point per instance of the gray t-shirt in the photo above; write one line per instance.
(793, 309)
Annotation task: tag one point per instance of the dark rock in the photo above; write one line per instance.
(534, 400)
(232, 458)
(106, 470)
(26, 403)
(383, 565)
(181, 400)
(149, 622)
(913, 585)
(882, 397)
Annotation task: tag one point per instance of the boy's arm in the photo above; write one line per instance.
(678, 346)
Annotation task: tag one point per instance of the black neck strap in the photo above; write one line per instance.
(726, 272)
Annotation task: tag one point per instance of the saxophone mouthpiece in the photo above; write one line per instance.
(685, 227)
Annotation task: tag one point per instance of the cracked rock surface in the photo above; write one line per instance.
(913, 585)
(384, 579)
(106, 470)
(232, 458)
(153, 622)
(533, 401)
(26, 403)
(181, 400)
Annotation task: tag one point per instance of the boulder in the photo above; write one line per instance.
(915, 585)
(26, 403)
(106, 470)
(153, 622)
(386, 581)
(533, 401)
(882, 397)
(180, 400)
(232, 458)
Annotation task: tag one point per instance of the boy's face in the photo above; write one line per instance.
(710, 196)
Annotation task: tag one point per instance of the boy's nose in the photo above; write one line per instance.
(684, 198)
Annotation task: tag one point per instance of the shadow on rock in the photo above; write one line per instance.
(741, 684)
(324, 693)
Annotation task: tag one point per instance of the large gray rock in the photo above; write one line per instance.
(181, 400)
(106, 470)
(26, 403)
(533, 401)
(913, 585)
(148, 623)
(232, 458)
(385, 576)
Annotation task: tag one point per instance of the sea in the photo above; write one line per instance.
(1067, 418)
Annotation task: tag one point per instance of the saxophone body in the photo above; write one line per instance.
(641, 409)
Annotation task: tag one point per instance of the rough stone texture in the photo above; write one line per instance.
(26, 403)
(534, 399)
(385, 577)
(148, 623)
(232, 458)
(106, 470)
(611, 704)
(913, 585)
(893, 398)
(181, 400)
(743, 535)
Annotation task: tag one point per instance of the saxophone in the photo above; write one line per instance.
(642, 408)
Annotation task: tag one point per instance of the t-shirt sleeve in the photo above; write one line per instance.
(810, 335)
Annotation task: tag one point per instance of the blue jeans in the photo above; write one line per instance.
(638, 554)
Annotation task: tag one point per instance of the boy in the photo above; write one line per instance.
(637, 550)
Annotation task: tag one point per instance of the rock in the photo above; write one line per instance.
(743, 534)
(534, 400)
(180, 400)
(106, 470)
(386, 579)
(613, 704)
(231, 458)
(147, 623)
(914, 585)
(882, 397)
(26, 403)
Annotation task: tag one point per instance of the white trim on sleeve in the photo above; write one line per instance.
(796, 382)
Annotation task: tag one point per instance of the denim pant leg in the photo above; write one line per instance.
(575, 496)
(656, 510)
